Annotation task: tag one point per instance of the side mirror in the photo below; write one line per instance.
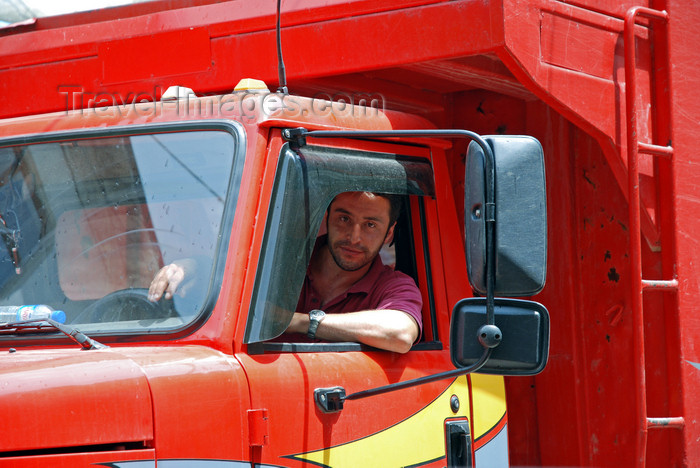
(524, 340)
(520, 216)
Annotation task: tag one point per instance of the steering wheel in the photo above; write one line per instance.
(123, 305)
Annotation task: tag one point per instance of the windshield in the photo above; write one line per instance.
(87, 223)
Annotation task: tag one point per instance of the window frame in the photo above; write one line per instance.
(267, 255)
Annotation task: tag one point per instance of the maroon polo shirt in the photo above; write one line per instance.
(380, 288)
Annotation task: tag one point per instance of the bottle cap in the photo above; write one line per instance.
(59, 316)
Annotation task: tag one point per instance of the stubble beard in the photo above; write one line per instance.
(350, 265)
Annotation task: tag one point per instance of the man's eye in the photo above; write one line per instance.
(371, 225)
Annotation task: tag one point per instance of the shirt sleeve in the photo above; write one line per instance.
(398, 291)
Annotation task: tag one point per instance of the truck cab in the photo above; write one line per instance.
(95, 201)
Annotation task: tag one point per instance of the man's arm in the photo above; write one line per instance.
(392, 330)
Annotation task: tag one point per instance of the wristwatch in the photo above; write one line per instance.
(315, 317)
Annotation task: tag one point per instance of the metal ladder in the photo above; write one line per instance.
(639, 284)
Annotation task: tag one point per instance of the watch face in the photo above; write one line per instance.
(316, 314)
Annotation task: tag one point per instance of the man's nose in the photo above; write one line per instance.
(355, 233)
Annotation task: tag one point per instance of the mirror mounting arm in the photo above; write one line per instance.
(330, 400)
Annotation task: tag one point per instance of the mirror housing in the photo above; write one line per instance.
(524, 340)
(520, 216)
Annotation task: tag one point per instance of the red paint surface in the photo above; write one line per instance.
(554, 70)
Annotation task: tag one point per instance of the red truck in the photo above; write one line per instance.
(105, 181)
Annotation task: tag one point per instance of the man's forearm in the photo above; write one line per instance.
(392, 330)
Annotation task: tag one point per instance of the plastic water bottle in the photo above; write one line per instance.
(30, 312)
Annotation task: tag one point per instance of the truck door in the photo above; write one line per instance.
(409, 427)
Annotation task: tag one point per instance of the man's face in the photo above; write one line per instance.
(358, 226)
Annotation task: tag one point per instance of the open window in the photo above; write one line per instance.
(306, 182)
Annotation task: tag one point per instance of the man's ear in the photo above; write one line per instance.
(389, 234)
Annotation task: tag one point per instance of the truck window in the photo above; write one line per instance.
(87, 222)
(306, 182)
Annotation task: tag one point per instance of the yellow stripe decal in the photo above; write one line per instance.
(414, 441)
(489, 400)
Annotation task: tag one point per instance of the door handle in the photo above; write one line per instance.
(459, 444)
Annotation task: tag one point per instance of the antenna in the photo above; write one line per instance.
(280, 61)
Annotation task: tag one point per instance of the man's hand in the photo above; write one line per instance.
(166, 281)
(392, 330)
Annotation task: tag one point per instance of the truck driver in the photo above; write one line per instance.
(348, 294)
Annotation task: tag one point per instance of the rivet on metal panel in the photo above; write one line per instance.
(454, 403)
